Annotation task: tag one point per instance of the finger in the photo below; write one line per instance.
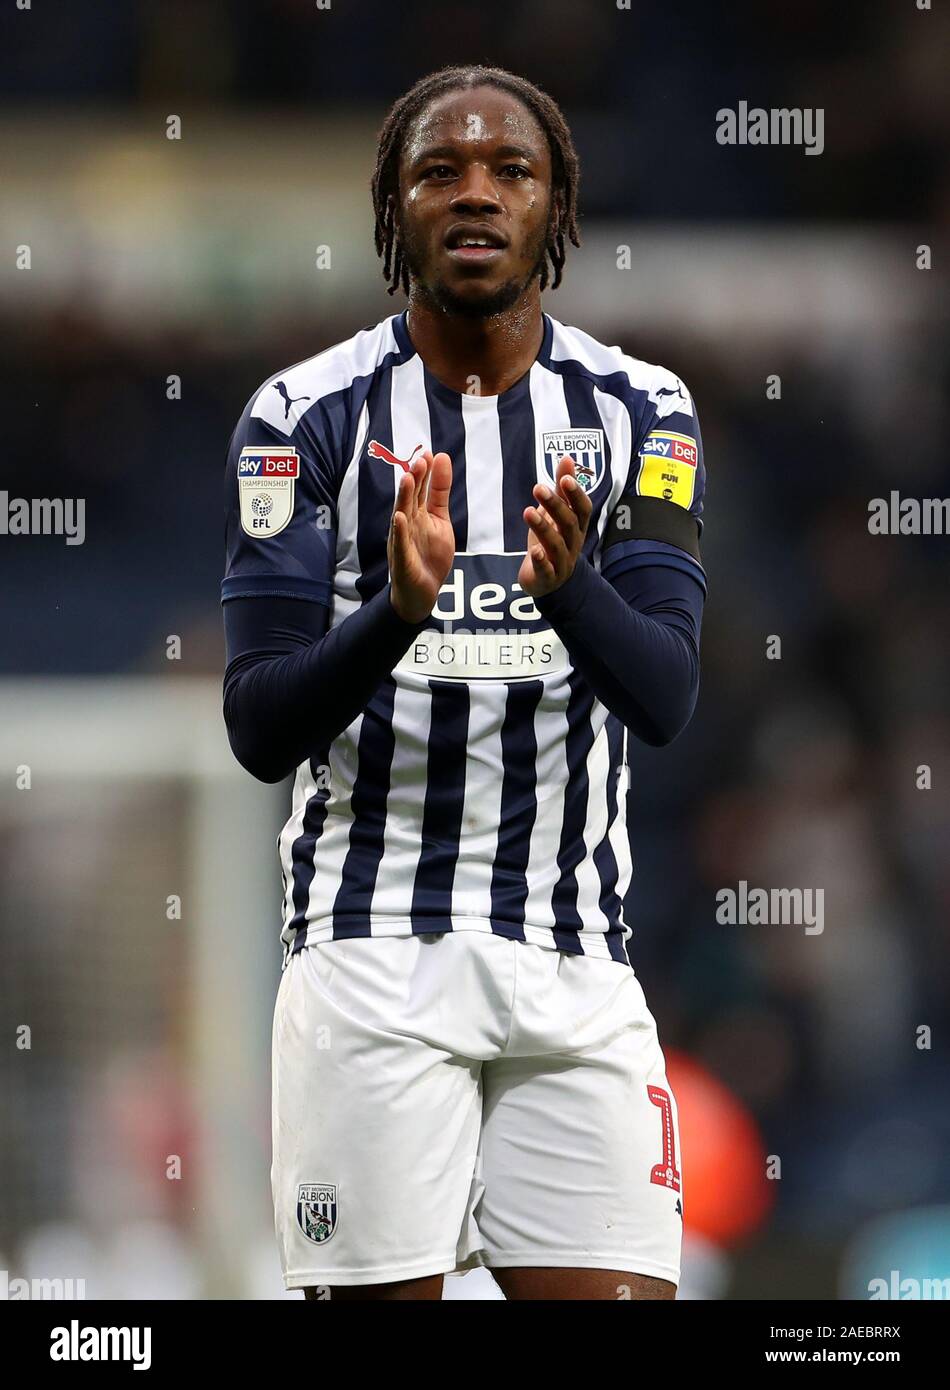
(399, 538)
(419, 468)
(560, 511)
(400, 526)
(404, 495)
(422, 491)
(575, 494)
(440, 486)
(543, 565)
(549, 536)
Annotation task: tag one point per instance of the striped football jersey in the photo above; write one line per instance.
(483, 786)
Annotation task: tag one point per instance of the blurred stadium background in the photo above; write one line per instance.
(196, 258)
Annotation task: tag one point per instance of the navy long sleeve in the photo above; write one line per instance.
(291, 686)
(635, 638)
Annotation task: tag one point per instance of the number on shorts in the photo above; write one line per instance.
(666, 1172)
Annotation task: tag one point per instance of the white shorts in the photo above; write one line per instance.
(445, 1101)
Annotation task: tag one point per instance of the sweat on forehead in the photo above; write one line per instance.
(474, 115)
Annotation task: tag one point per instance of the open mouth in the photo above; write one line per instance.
(471, 243)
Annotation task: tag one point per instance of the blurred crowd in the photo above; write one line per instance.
(641, 84)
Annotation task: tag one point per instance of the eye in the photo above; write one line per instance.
(517, 169)
(438, 171)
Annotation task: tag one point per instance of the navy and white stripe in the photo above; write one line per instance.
(483, 787)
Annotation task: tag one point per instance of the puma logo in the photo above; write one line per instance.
(379, 451)
(281, 390)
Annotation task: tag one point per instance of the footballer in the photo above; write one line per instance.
(463, 571)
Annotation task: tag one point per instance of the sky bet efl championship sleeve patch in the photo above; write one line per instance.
(667, 467)
(266, 479)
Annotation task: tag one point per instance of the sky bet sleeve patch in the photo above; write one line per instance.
(667, 467)
(266, 480)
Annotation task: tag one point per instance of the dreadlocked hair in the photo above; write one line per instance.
(565, 167)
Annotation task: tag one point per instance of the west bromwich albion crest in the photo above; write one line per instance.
(317, 1210)
(586, 448)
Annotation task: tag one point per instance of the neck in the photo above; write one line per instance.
(497, 350)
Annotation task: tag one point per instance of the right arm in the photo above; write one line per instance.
(292, 683)
(291, 686)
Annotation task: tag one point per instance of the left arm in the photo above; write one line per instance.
(635, 639)
(633, 628)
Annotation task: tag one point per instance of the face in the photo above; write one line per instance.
(475, 201)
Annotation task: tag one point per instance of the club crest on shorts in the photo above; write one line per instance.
(586, 448)
(317, 1211)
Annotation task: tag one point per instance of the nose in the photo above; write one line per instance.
(475, 191)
